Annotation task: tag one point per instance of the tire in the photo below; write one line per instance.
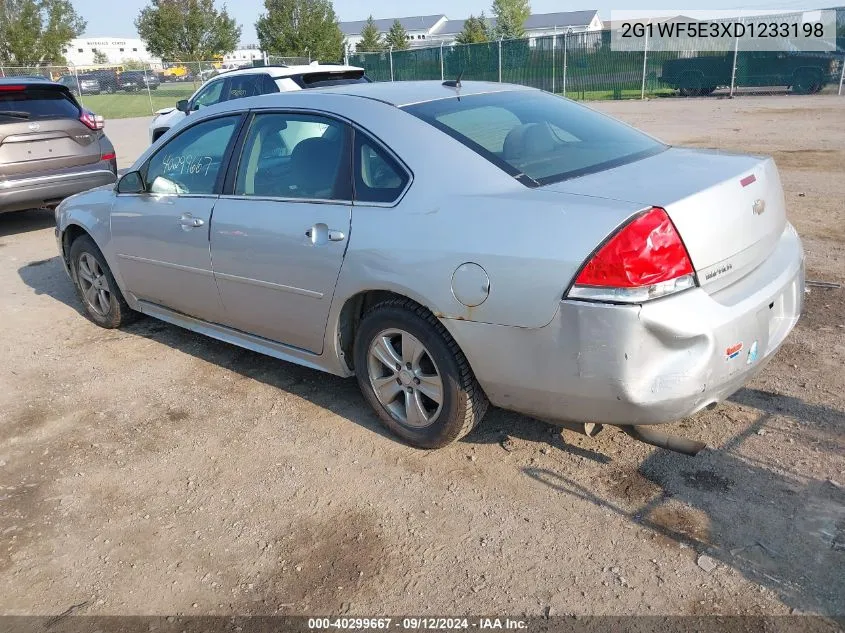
(108, 310)
(399, 325)
(709, 90)
(806, 82)
(692, 84)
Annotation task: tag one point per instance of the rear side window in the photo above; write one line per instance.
(241, 86)
(378, 177)
(34, 102)
(535, 136)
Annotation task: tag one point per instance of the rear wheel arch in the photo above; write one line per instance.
(356, 306)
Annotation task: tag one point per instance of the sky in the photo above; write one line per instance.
(121, 23)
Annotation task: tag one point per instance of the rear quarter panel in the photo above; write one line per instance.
(461, 208)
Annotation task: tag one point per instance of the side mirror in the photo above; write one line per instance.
(183, 106)
(131, 183)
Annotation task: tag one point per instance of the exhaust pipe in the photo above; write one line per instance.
(649, 435)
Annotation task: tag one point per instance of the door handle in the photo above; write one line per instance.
(320, 233)
(190, 222)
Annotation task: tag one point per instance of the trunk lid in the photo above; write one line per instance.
(729, 209)
(41, 132)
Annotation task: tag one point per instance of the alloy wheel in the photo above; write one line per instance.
(405, 378)
(94, 284)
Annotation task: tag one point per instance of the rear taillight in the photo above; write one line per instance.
(645, 259)
(12, 88)
(91, 120)
(109, 156)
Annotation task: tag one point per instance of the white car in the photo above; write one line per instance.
(250, 82)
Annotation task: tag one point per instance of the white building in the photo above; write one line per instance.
(432, 30)
(420, 29)
(81, 51)
(243, 56)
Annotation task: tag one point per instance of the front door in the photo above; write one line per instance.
(278, 242)
(161, 236)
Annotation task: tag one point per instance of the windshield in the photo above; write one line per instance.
(535, 136)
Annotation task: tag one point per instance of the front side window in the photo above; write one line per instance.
(295, 156)
(209, 95)
(535, 136)
(191, 162)
(378, 178)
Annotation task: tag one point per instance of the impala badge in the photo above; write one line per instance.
(759, 207)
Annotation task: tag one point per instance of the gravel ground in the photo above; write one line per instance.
(153, 471)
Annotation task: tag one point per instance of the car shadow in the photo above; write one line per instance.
(339, 395)
(18, 222)
(781, 530)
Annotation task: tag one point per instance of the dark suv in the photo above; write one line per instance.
(108, 79)
(132, 80)
(50, 148)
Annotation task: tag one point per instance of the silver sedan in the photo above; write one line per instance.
(452, 246)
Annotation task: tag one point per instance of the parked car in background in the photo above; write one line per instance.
(133, 80)
(108, 79)
(452, 248)
(248, 82)
(50, 147)
(805, 73)
(81, 84)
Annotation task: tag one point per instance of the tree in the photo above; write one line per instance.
(475, 30)
(294, 28)
(187, 30)
(371, 41)
(35, 31)
(510, 18)
(100, 57)
(397, 37)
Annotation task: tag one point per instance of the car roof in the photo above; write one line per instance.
(403, 93)
(278, 72)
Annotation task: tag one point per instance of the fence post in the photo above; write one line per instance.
(554, 68)
(733, 72)
(390, 54)
(500, 60)
(645, 61)
(149, 92)
(842, 76)
(78, 85)
(565, 46)
(442, 73)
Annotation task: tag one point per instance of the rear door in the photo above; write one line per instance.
(41, 132)
(278, 240)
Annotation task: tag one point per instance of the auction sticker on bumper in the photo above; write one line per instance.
(733, 351)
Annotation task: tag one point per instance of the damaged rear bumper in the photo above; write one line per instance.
(641, 364)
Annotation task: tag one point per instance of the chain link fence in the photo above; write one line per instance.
(584, 66)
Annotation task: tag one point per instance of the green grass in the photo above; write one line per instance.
(123, 105)
(609, 95)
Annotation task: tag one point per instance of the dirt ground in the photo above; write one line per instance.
(154, 471)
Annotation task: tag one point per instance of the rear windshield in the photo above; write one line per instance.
(321, 80)
(36, 103)
(535, 136)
